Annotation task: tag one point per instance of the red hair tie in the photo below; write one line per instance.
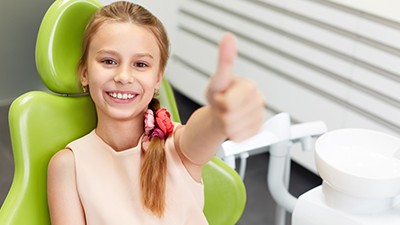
(158, 125)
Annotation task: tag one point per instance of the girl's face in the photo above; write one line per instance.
(122, 70)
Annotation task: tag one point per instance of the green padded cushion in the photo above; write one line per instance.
(40, 125)
(224, 193)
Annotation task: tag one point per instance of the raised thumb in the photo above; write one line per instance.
(227, 54)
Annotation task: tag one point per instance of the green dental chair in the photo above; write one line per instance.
(41, 123)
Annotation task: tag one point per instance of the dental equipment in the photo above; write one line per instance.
(276, 136)
(361, 180)
(360, 169)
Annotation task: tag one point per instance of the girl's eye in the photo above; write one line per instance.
(141, 65)
(109, 62)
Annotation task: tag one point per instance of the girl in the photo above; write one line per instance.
(136, 166)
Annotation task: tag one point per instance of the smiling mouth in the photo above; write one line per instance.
(121, 96)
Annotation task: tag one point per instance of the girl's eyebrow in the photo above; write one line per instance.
(111, 52)
(139, 55)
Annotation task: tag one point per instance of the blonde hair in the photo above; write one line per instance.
(153, 169)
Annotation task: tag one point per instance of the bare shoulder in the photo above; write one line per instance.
(60, 175)
(61, 162)
(63, 198)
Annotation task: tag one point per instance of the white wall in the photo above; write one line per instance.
(384, 8)
(316, 60)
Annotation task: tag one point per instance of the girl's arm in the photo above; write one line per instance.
(235, 111)
(64, 204)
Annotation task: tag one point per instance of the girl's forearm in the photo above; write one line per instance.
(202, 136)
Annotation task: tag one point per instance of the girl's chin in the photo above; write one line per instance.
(129, 114)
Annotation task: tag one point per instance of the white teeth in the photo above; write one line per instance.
(121, 96)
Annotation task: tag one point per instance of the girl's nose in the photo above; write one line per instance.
(124, 76)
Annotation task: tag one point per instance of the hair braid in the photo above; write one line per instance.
(153, 172)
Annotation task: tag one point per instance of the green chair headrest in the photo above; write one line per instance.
(58, 47)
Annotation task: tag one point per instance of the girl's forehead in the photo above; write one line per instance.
(125, 35)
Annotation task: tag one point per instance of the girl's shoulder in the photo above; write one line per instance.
(62, 161)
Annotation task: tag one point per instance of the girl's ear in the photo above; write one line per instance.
(83, 75)
(160, 77)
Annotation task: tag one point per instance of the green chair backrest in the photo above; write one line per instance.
(41, 123)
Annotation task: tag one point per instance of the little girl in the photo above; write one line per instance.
(136, 166)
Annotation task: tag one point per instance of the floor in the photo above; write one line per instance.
(260, 207)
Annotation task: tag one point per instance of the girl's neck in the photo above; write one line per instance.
(120, 135)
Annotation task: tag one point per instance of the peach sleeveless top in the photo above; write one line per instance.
(109, 189)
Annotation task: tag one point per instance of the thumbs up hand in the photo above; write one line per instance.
(235, 102)
(223, 76)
